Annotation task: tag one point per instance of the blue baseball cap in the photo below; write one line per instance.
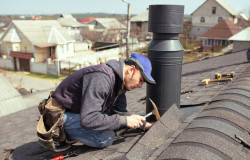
(143, 64)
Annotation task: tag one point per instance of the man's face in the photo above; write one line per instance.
(133, 78)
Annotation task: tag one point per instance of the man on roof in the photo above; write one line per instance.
(95, 100)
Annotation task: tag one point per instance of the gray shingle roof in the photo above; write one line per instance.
(69, 22)
(212, 134)
(208, 131)
(10, 100)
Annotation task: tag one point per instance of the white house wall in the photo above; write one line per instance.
(198, 30)
(45, 68)
(205, 11)
(7, 64)
(63, 51)
(240, 46)
(39, 68)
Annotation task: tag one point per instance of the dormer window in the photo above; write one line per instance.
(213, 10)
(202, 20)
(220, 19)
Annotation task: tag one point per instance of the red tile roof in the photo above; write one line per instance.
(21, 55)
(223, 30)
(87, 19)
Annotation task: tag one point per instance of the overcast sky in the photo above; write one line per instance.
(106, 6)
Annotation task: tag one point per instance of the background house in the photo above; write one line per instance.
(209, 14)
(37, 40)
(217, 37)
(139, 26)
(73, 27)
(241, 40)
(87, 19)
(107, 29)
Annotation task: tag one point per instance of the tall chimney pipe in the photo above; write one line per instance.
(166, 54)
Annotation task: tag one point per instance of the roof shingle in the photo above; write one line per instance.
(223, 30)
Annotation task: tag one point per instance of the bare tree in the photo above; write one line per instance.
(91, 35)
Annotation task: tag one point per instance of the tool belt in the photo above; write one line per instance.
(50, 124)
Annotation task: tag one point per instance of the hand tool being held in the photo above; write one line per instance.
(153, 112)
(206, 81)
(228, 75)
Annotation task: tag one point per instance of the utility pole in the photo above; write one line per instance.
(128, 30)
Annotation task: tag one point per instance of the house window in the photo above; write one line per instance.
(219, 42)
(220, 19)
(25, 49)
(210, 42)
(9, 50)
(62, 48)
(202, 20)
(213, 10)
(205, 42)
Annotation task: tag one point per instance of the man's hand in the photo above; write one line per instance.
(148, 125)
(135, 121)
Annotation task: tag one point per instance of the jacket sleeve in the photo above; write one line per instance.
(96, 87)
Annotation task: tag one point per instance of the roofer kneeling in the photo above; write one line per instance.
(92, 103)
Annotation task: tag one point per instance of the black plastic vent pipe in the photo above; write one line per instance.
(166, 54)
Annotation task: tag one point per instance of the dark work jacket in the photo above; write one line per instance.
(91, 91)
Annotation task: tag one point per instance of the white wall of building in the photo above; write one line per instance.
(45, 68)
(7, 63)
(64, 50)
(240, 46)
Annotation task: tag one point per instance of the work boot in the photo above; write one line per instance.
(62, 146)
(69, 141)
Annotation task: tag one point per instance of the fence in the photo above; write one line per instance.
(49, 68)
(7, 64)
(77, 62)
(74, 63)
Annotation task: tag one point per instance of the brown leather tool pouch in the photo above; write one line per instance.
(50, 124)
